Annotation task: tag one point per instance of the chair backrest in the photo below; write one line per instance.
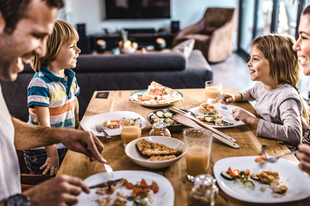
(217, 17)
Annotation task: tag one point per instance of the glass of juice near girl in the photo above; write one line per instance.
(198, 148)
(130, 129)
(211, 90)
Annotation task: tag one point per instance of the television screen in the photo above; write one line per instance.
(137, 9)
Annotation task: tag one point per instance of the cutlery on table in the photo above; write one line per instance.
(264, 150)
(219, 135)
(275, 159)
(100, 129)
(109, 169)
(106, 184)
(219, 95)
(188, 122)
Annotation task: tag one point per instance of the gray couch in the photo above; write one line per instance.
(118, 72)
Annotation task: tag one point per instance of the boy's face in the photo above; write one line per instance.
(66, 57)
(302, 45)
(28, 38)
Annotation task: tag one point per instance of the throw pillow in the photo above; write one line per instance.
(185, 47)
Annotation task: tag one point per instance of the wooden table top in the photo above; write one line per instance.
(78, 165)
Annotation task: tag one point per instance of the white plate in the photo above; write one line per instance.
(89, 123)
(297, 182)
(226, 115)
(164, 196)
(134, 154)
(152, 105)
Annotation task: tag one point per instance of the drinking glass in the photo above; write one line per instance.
(212, 88)
(130, 129)
(198, 142)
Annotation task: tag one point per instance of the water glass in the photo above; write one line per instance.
(211, 89)
(198, 142)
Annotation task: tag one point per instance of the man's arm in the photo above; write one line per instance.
(29, 136)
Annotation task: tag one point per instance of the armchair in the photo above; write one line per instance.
(213, 34)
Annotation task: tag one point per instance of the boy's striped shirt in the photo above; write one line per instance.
(47, 89)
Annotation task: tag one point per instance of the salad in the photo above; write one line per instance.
(213, 120)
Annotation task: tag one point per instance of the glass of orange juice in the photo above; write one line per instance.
(198, 143)
(212, 88)
(130, 129)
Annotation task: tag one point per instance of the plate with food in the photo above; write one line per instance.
(156, 95)
(155, 152)
(165, 115)
(155, 189)
(244, 179)
(109, 121)
(216, 116)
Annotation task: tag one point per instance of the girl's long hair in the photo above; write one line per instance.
(283, 61)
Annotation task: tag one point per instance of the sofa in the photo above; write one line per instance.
(118, 72)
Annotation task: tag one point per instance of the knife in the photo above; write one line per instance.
(107, 183)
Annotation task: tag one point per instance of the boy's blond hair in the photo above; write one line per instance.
(283, 61)
(62, 33)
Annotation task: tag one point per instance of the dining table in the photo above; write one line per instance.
(78, 165)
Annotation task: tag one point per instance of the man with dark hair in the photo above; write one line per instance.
(24, 28)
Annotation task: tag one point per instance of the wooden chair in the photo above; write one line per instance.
(213, 34)
(28, 180)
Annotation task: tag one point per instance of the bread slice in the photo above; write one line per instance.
(161, 158)
(150, 148)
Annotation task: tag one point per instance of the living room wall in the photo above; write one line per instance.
(90, 12)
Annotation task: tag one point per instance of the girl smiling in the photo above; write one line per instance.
(278, 101)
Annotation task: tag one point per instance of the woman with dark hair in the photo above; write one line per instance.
(302, 46)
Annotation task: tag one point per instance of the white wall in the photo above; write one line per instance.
(90, 12)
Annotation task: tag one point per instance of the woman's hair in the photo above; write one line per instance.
(63, 32)
(15, 10)
(283, 61)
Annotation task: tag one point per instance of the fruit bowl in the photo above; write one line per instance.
(127, 47)
(128, 51)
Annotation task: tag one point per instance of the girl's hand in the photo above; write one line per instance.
(304, 157)
(228, 98)
(52, 164)
(242, 115)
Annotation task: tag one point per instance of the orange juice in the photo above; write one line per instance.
(197, 160)
(130, 133)
(212, 91)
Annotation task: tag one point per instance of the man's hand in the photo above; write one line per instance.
(304, 157)
(62, 190)
(83, 142)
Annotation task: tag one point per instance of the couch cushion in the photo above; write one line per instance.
(152, 61)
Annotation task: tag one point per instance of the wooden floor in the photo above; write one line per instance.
(233, 73)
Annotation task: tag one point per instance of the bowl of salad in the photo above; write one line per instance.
(165, 115)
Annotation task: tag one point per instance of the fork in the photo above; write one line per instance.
(225, 108)
(275, 159)
(101, 130)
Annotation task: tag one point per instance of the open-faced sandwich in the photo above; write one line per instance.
(157, 94)
(211, 116)
(156, 151)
